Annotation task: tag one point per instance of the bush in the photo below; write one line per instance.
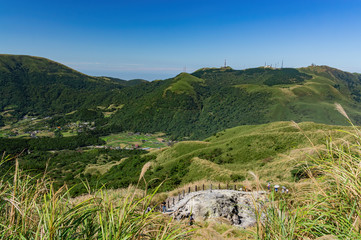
(237, 177)
(300, 172)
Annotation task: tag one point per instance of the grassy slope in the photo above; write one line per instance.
(270, 150)
(309, 98)
(182, 84)
(310, 101)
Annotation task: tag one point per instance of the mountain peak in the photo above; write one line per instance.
(184, 83)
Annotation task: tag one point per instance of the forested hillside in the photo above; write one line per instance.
(38, 86)
(190, 106)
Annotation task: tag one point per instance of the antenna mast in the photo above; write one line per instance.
(225, 63)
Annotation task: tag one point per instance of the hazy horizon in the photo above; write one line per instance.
(158, 39)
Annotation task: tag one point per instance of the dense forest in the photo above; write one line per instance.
(37, 86)
(17, 145)
(70, 167)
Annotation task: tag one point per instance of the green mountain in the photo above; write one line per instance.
(193, 105)
(33, 85)
(212, 99)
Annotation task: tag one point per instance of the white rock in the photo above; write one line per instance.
(236, 206)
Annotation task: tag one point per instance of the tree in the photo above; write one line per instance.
(58, 133)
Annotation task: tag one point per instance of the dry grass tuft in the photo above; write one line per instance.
(144, 170)
(340, 109)
(327, 203)
(32, 209)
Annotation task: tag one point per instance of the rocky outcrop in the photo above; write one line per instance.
(236, 206)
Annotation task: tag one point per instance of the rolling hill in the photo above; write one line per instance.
(38, 86)
(188, 106)
(270, 150)
(209, 100)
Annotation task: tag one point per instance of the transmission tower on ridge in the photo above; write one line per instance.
(225, 63)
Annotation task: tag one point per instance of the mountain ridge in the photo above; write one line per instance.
(193, 105)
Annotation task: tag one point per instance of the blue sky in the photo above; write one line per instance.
(157, 39)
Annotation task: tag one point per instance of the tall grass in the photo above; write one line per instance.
(30, 208)
(330, 204)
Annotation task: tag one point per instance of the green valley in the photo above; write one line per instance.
(272, 151)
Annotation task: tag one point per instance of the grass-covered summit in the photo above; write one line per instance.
(183, 84)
